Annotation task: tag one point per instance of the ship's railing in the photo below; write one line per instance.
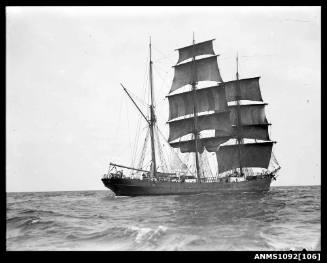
(120, 175)
(213, 180)
(249, 173)
(113, 175)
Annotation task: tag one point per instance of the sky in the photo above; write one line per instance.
(67, 116)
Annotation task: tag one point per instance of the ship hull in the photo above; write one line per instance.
(132, 187)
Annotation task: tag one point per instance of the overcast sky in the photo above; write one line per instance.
(67, 116)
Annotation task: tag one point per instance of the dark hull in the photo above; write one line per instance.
(130, 187)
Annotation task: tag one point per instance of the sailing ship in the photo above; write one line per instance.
(232, 113)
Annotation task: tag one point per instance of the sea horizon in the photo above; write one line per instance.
(45, 191)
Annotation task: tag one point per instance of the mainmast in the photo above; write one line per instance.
(196, 110)
(152, 118)
(196, 134)
(238, 124)
(195, 105)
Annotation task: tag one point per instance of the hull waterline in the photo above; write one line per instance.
(132, 187)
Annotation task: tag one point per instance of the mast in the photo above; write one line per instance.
(197, 101)
(152, 118)
(196, 135)
(239, 140)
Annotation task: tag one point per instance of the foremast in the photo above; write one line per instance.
(152, 118)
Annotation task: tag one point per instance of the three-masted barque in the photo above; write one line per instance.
(232, 113)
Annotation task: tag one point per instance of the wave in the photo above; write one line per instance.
(26, 223)
(52, 214)
(21, 221)
(139, 238)
(133, 235)
(146, 234)
(31, 211)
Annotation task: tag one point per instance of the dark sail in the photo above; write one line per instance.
(248, 114)
(249, 89)
(206, 70)
(207, 99)
(211, 144)
(216, 121)
(252, 155)
(202, 48)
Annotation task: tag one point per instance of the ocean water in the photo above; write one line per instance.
(282, 219)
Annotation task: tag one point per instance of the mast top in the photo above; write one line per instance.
(150, 50)
(210, 40)
(237, 75)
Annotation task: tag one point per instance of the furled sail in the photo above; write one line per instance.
(249, 114)
(210, 143)
(219, 121)
(252, 155)
(206, 69)
(202, 48)
(208, 99)
(249, 89)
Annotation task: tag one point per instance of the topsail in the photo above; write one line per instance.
(203, 48)
(205, 69)
(208, 99)
(217, 121)
(248, 89)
